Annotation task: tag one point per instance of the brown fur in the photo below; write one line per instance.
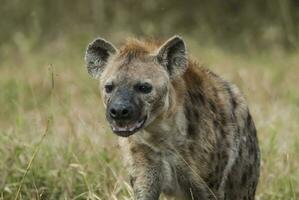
(199, 141)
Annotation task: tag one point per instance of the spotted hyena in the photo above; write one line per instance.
(184, 131)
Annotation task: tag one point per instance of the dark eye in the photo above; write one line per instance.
(144, 88)
(109, 88)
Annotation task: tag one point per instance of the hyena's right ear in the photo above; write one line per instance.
(96, 56)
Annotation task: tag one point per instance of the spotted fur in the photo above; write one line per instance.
(199, 141)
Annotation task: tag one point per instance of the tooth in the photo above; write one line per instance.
(139, 124)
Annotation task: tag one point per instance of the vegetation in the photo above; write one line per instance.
(251, 25)
(54, 141)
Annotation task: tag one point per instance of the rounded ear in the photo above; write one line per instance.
(173, 56)
(97, 55)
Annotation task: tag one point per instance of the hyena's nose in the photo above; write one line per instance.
(120, 112)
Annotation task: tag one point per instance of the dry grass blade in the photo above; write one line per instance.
(32, 159)
(176, 153)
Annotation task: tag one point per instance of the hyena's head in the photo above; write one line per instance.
(135, 80)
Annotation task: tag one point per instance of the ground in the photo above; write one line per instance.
(77, 156)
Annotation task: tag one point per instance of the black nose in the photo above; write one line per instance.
(120, 111)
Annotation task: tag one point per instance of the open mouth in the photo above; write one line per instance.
(128, 129)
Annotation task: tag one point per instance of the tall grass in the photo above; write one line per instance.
(31, 160)
(79, 157)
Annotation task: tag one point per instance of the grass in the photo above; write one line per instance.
(79, 158)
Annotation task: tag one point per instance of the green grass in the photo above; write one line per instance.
(78, 157)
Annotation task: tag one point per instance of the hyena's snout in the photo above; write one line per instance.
(121, 111)
(124, 113)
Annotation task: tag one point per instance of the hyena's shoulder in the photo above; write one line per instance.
(208, 92)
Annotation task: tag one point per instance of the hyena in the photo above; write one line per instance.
(184, 131)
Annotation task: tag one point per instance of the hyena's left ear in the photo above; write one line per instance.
(97, 55)
(173, 56)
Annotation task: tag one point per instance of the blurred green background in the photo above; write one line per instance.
(256, 24)
(253, 44)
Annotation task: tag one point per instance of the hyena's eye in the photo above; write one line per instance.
(144, 88)
(109, 88)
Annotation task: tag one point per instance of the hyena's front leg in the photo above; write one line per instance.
(146, 175)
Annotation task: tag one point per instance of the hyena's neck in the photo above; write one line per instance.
(164, 133)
